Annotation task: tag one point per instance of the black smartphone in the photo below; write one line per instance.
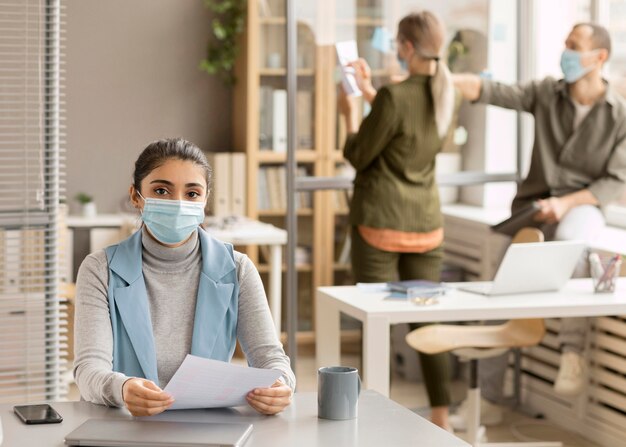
(37, 414)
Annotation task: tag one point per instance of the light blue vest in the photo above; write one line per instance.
(215, 322)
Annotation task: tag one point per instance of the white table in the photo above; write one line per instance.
(240, 232)
(576, 299)
(381, 422)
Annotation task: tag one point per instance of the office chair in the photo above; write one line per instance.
(476, 342)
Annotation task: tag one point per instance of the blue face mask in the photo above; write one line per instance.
(172, 221)
(572, 67)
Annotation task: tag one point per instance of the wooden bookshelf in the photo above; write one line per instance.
(260, 72)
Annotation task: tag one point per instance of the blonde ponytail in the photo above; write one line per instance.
(427, 34)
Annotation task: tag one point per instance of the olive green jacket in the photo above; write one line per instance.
(394, 157)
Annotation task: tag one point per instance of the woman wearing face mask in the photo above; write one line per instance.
(395, 214)
(167, 291)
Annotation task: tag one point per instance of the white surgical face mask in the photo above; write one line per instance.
(171, 221)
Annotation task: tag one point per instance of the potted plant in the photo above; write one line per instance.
(88, 207)
(227, 24)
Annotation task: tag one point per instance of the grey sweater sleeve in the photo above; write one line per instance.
(93, 336)
(93, 363)
(255, 328)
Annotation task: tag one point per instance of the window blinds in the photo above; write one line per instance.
(32, 319)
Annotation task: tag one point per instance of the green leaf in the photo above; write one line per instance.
(227, 24)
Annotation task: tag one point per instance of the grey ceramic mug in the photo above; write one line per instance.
(338, 389)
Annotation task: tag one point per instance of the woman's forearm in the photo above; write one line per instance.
(369, 94)
(352, 122)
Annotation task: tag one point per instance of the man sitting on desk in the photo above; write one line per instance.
(578, 161)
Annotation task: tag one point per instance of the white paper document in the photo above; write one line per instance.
(206, 383)
(347, 52)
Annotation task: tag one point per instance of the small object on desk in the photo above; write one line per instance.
(140, 433)
(604, 272)
(206, 383)
(37, 414)
(419, 292)
(421, 295)
(424, 300)
(418, 287)
(338, 390)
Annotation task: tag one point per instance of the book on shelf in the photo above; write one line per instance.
(279, 120)
(264, 8)
(303, 255)
(346, 246)
(264, 251)
(262, 195)
(219, 202)
(266, 113)
(228, 192)
(305, 119)
(305, 199)
(272, 190)
(273, 119)
(341, 201)
(282, 187)
(238, 183)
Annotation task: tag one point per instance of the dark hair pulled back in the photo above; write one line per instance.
(158, 152)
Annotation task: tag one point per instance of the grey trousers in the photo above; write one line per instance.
(584, 222)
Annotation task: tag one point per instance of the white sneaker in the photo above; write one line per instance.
(490, 414)
(571, 378)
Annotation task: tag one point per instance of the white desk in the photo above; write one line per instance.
(241, 232)
(381, 422)
(378, 314)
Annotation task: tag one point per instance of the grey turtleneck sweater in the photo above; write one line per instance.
(172, 276)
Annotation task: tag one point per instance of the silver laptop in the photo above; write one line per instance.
(532, 267)
(124, 432)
